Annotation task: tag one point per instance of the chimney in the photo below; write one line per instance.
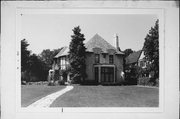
(117, 42)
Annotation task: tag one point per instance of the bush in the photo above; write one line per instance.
(146, 81)
(61, 82)
(25, 77)
(131, 74)
(51, 83)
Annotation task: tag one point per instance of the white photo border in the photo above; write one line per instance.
(159, 12)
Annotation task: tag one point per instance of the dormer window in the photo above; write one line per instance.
(97, 58)
(111, 59)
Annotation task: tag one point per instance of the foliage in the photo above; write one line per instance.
(132, 74)
(47, 56)
(151, 49)
(61, 82)
(32, 67)
(146, 81)
(38, 67)
(77, 55)
(127, 52)
(65, 72)
(25, 53)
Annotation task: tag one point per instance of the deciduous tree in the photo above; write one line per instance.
(47, 56)
(127, 52)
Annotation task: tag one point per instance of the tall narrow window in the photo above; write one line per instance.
(111, 59)
(97, 58)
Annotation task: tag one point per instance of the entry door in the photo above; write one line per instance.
(96, 69)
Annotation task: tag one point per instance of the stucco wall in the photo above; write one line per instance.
(89, 66)
(104, 60)
(118, 60)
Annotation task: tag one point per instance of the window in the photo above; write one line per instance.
(111, 59)
(63, 62)
(104, 55)
(97, 58)
(107, 74)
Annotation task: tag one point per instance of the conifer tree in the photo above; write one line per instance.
(77, 56)
(151, 50)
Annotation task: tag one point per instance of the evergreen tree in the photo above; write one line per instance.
(77, 56)
(151, 50)
(25, 53)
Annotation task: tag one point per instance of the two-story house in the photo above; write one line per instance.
(104, 62)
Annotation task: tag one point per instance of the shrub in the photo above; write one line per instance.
(146, 81)
(131, 74)
(25, 76)
(51, 83)
(61, 82)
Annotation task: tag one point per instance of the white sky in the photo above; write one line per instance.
(54, 31)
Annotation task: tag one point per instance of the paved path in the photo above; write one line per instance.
(48, 100)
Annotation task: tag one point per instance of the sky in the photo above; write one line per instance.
(54, 30)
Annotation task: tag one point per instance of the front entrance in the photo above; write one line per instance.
(107, 74)
(104, 73)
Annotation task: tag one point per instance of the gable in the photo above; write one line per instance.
(142, 56)
(63, 52)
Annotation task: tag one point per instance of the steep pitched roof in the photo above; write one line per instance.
(95, 42)
(133, 57)
(99, 42)
(64, 51)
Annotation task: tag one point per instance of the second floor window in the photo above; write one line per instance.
(97, 58)
(63, 62)
(111, 59)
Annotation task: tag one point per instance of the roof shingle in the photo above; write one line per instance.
(133, 57)
(64, 51)
(95, 42)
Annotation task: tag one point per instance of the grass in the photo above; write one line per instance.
(109, 96)
(32, 93)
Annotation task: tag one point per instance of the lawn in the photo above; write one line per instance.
(32, 93)
(109, 96)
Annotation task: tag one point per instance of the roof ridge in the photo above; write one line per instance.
(95, 41)
(98, 37)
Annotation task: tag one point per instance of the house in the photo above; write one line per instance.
(104, 62)
(134, 58)
(137, 59)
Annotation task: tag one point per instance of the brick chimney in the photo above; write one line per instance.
(117, 42)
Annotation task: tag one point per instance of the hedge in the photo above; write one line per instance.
(146, 81)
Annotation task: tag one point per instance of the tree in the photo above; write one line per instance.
(151, 50)
(47, 56)
(127, 52)
(25, 53)
(32, 67)
(77, 55)
(38, 68)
